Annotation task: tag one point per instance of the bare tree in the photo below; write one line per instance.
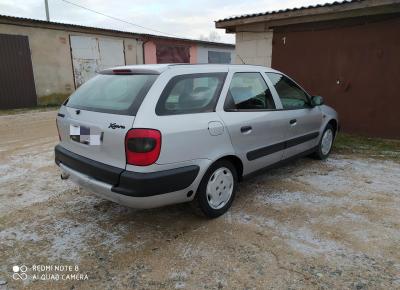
(212, 36)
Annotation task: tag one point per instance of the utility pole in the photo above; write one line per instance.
(46, 4)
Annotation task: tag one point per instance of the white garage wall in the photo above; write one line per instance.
(111, 52)
(254, 47)
(93, 54)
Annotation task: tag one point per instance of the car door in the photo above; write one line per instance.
(256, 124)
(304, 120)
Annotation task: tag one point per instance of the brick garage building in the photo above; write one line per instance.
(348, 52)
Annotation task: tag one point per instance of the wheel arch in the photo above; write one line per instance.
(334, 124)
(235, 160)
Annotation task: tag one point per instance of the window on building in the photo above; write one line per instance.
(219, 57)
(248, 91)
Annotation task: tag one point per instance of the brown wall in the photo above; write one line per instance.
(17, 86)
(354, 65)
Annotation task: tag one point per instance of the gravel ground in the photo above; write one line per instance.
(310, 224)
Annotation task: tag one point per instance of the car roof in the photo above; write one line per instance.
(160, 68)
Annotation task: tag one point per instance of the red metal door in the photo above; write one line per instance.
(172, 54)
(354, 65)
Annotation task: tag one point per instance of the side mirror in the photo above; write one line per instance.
(317, 100)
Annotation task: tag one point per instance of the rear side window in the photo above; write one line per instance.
(291, 95)
(248, 91)
(192, 93)
(116, 94)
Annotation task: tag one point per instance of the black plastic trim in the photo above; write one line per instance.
(154, 183)
(258, 153)
(97, 170)
(301, 139)
(280, 163)
(270, 149)
(128, 182)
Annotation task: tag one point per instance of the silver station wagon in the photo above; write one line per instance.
(150, 135)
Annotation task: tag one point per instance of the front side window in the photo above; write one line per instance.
(248, 91)
(292, 97)
(116, 94)
(192, 93)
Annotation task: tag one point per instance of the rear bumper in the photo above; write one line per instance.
(104, 190)
(126, 187)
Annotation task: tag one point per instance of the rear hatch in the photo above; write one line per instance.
(93, 122)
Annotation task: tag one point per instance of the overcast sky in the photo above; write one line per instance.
(188, 19)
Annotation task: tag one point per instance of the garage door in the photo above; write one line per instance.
(353, 64)
(172, 54)
(92, 54)
(17, 86)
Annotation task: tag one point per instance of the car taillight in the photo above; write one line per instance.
(142, 146)
(122, 71)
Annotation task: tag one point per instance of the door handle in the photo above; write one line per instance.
(246, 129)
(293, 122)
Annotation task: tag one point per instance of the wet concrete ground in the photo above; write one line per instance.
(310, 224)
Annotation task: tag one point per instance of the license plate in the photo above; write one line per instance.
(85, 135)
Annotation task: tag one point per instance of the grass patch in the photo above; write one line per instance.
(44, 103)
(368, 147)
(52, 99)
(40, 108)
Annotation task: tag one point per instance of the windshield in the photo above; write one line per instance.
(116, 94)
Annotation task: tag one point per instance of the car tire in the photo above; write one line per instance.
(325, 143)
(217, 189)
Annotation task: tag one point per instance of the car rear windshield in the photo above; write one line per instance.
(115, 94)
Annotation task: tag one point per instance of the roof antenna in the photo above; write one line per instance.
(240, 58)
